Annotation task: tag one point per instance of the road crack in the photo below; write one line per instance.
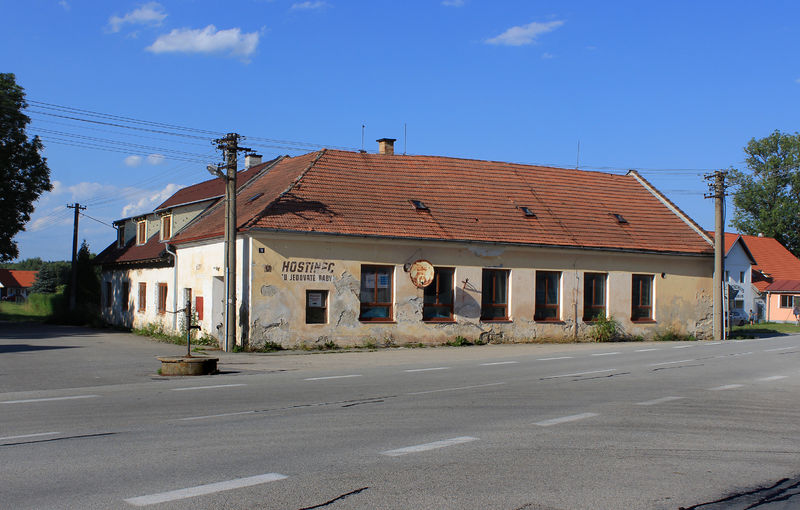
(334, 500)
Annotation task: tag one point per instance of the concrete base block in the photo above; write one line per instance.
(188, 365)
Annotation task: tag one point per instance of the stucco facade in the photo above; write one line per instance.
(281, 270)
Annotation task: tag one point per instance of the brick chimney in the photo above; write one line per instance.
(386, 145)
(252, 160)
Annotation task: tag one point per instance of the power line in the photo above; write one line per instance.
(98, 221)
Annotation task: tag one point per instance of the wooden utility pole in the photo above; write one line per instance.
(74, 270)
(230, 148)
(717, 187)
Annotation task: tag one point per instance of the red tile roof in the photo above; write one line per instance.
(212, 188)
(150, 252)
(16, 278)
(784, 286)
(359, 194)
(731, 238)
(773, 259)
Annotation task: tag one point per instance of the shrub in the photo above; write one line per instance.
(605, 329)
(459, 341)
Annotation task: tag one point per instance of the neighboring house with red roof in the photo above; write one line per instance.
(360, 248)
(741, 294)
(138, 268)
(776, 276)
(15, 284)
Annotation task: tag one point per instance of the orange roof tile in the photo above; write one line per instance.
(773, 259)
(151, 251)
(17, 278)
(359, 194)
(212, 188)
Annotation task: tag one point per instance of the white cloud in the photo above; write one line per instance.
(150, 14)
(133, 161)
(453, 3)
(206, 40)
(155, 159)
(547, 56)
(309, 5)
(64, 4)
(148, 200)
(524, 34)
(797, 80)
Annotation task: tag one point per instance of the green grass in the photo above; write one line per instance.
(764, 329)
(21, 312)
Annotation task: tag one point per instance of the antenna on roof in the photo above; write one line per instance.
(405, 137)
(578, 161)
(362, 136)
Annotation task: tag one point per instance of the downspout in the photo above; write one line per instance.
(174, 287)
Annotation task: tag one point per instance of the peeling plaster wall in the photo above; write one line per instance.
(135, 317)
(277, 307)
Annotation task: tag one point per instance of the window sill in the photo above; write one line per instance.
(643, 321)
(496, 320)
(439, 321)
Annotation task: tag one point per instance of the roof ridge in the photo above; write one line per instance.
(289, 188)
(490, 161)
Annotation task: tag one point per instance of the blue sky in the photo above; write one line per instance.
(673, 89)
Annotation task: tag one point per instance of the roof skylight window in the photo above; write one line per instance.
(418, 205)
(620, 218)
(254, 197)
(528, 212)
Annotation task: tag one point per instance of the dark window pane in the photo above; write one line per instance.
(438, 296)
(494, 294)
(547, 298)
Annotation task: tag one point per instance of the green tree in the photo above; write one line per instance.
(88, 276)
(24, 174)
(47, 279)
(766, 198)
(30, 264)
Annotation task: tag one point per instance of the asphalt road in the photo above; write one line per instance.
(85, 422)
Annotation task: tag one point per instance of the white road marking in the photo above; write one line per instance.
(564, 419)
(680, 346)
(646, 350)
(47, 399)
(215, 415)
(605, 353)
(426, 369)
(779, 349)
(208, 387)
(669, 362)
(429, 446)
(201, 490)
(726, 387)
(455, 389)
(713, 343)
(25, 436)
(580, 373)
(656, 401)
(499, 363)
(331, 377)
(742, 353)
(772, 378)
(551, 359)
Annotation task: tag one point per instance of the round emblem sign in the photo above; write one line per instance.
(421, 273)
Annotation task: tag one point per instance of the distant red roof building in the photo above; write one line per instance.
(16, 282)
(773, 261)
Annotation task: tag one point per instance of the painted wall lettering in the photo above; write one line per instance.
(307, 271)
